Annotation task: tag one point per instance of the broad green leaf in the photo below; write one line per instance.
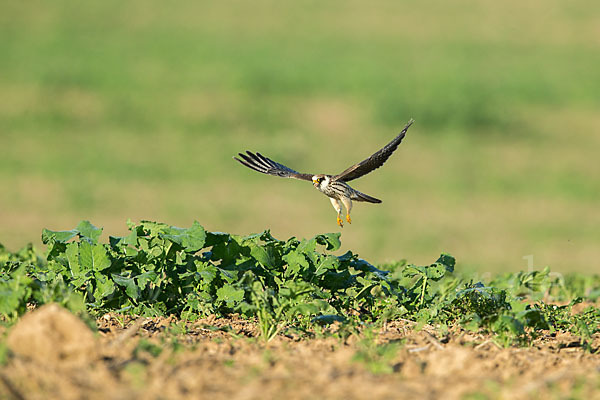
(448, 261)
(191, 239)
(121, 241)
(365, 266)
(93, 256)
(413, 270)
(264, 236)
(307, 246)
(151, 228)
(58, 236)
(104, 286)
(128, 283)
(296, 262)
(230, 276)
(435, 271)
(336, 280)
(229, 252)
(88, 231)
(180, 257)
(331, 241)
(230, 295)
(131, 252)
(215, 238)
(72, 254)
(261, 255)
(206, 271)
(146, 277)
(326, 263)
(144, 244)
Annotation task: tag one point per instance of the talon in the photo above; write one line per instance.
(340, 222)
(348, 218)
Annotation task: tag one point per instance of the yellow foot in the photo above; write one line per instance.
(340, 222)
(348, 218)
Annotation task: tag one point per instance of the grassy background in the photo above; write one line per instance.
(118, 110)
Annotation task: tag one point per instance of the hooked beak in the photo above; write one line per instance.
(315, 182)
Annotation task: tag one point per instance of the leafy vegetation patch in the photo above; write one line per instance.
(159, 270)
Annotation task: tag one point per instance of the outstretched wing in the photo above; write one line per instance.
(260, 163)
(375, 161)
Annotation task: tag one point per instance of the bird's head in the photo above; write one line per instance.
(318, 179)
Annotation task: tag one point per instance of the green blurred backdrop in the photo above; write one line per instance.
(114, 110)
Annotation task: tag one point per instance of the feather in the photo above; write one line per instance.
(375, 161)
(260, 163)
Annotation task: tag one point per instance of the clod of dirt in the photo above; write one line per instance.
(52, 335)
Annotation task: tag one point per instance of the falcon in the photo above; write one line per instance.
(333, 186)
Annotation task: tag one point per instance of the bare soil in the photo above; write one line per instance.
(52, 354)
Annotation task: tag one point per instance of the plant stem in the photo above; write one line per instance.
(423, 291)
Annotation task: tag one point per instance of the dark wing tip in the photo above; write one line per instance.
(376, 160)
(405, 129)
(247, 162)
(243, 158)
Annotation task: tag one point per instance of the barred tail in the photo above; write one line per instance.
(358, 196)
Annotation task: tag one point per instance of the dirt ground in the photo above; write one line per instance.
(52, 354)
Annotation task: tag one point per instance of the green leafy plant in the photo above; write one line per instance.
(190, 273)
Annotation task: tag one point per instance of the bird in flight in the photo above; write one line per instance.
(333, 186)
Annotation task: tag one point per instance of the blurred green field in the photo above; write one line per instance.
(118, 110)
